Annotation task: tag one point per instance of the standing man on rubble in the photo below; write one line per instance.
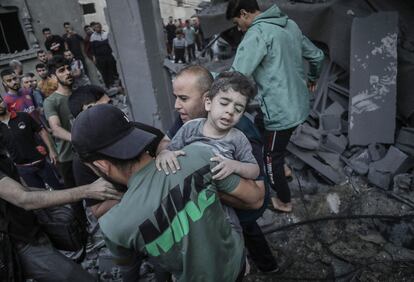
(271, 52)
(59, 117)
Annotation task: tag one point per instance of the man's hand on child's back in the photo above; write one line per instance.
(224, 168)
(168, 162)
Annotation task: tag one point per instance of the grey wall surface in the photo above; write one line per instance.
(53, 14)
(137, 35)
(373, 79)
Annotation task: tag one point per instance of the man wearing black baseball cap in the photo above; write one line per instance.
(175, 219)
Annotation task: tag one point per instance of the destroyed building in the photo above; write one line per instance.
(353, 158)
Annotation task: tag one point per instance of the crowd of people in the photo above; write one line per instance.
(183, 38)
(186, 201)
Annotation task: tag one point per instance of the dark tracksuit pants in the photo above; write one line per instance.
(107, 67)
(275, 149)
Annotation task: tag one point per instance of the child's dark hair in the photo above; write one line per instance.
(233, 80)
(234, 7)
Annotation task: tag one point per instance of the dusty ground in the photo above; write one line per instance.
(342, 246)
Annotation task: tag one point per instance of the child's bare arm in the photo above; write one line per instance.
(228, 166)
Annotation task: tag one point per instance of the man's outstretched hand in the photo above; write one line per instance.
(102, 190)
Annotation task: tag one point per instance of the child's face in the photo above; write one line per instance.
(226, 109)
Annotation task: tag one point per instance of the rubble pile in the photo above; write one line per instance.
(352, 128)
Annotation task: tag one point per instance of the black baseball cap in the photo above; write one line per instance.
(105, 129)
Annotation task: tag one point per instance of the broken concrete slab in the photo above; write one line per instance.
(317, 163)
(405, 140)
(330, 123)
(332, 159)
(334, 109)
(376, 151)
(306, 137)
(334, 143)
(373, 76)
(331, 118)
(357, 166)
(382, 172)
(404, 181)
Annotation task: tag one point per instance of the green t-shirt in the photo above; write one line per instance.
(57, 105)
(178, 220)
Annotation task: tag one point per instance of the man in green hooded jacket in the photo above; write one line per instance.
(272, 52)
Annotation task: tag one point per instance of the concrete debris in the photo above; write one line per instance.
(334, 143)
(383, 171)
(306, 137)
(405, 140)
(373, 79)
(404, 181)
(376, 151)
(316, 162)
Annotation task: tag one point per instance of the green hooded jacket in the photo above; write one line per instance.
(272, 52)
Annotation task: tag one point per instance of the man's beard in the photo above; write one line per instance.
(65, 83)
(15, 87)
(3, 111)
(118, 186)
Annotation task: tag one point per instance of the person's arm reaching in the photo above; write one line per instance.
(52, 152)
(57, 129)
(18, 195)
(100, 209)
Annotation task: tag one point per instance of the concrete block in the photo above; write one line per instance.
(381, 179)
(306, 137)
(373, 79)
(334, 143)
(382, 172)
(334, 109)
(330, 123)
(317, 163)
(405, 140)
(376, 151)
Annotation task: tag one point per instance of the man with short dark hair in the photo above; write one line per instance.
(167, 217)
(272, 51)
(190, 37)
(53, 43)
(86, 41)
(29, 83)
(59, 117)
(170, 28)
(42, 56)
(78, 70)
(102, 55)
(17, 98)
(47, 84)
(74, 42)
